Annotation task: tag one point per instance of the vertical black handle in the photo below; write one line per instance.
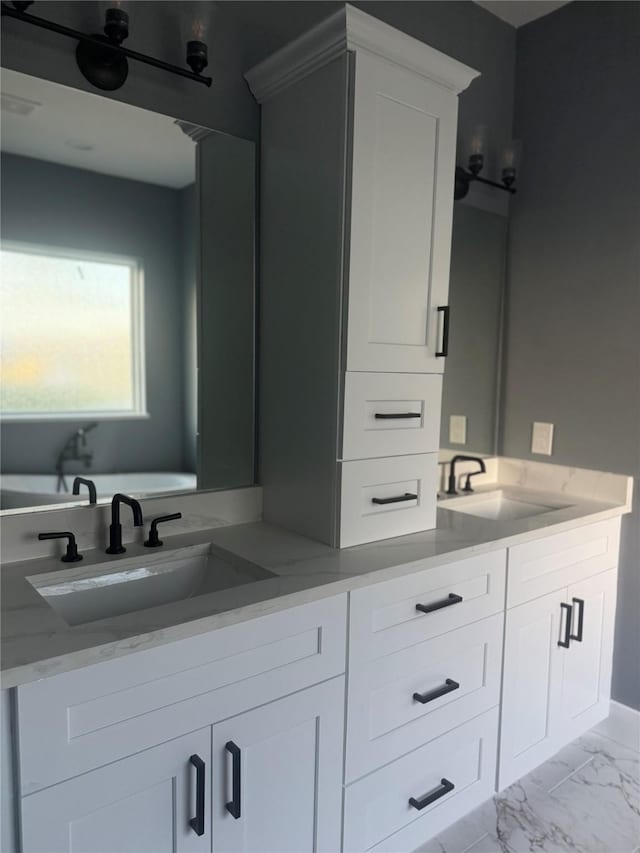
(567, 625)
(234, 806)
(444, 352)
(197, 823)
(580, 604)
(445, 787)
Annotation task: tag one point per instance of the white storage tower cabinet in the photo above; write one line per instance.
(358, 140)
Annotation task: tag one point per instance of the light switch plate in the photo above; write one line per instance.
(542, 438)
(458, 429)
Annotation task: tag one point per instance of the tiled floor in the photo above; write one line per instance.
(584, 800)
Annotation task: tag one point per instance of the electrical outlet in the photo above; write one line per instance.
(458, 429)
(542, 438)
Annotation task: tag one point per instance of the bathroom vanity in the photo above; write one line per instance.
(334, 659)
(330, 700)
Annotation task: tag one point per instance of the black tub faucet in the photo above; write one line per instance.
(452, 472)
(115, 528)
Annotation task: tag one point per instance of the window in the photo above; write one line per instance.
(71, 334)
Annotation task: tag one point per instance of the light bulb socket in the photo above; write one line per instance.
(508, 176)
(197, 58)
(476, 162)
(116, 25)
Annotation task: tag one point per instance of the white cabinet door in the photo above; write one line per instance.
(404, 142)
(278, 775)
(534, 663)
(141, 804)
(587, 672)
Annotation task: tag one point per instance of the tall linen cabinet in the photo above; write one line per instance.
(358, 138)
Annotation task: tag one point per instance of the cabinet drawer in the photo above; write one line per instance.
(537, 568)
(381, 498)
(456, 675)
(377, 808)
(80, 720)
(389, 414)
(384, 618)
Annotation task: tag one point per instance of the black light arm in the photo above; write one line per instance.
(99, 41)
(464, 178)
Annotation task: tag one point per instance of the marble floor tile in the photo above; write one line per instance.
(584, 800)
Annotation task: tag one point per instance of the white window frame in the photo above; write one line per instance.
(138, 366)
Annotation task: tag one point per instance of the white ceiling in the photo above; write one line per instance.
(519, 12)
(47, 121)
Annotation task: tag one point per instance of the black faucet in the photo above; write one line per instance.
(91, 486)
(74, 449)
(452, 472)
(115, 528)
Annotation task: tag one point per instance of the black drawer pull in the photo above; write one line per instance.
(580, 604)
(449, 686)
(399, 416)
(452, 598)
(444, 352)
(567, 625)
(445, 787)
(408, 496)
(234, 806)
(197, 823)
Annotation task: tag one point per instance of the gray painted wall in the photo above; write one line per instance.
(572, 354)
(52, 205)
(476, 285)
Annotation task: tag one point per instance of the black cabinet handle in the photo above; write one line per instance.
(197, 823)
(234, 806)
(567, 625)
(444, 352)
(580, 604)
(449, 686)
(445, 787)
(408, 496)
(452, 598)
(397, 416)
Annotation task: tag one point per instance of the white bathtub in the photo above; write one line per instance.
(18, 490)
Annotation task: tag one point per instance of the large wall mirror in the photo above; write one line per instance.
(127, 299)
(471, 387)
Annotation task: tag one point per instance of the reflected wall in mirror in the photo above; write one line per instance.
(127, 298)
(472, 372)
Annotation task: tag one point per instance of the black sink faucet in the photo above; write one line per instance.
(115, 528)
(452, 471)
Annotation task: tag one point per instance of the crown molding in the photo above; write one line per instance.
(351, 29)
(193, 131)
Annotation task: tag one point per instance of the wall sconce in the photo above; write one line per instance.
(102, 58)
(478, 147)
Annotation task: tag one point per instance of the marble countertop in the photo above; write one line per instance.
(37, 642)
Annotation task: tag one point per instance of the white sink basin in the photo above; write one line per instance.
(497, 506)
(111, 589)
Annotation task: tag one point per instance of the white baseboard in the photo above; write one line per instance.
(622, 725)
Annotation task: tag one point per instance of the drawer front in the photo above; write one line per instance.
(377, 808)
(537, 568)
(384, 617)
(389, 414)
(419, 693)
(80, 720)
(382, 498)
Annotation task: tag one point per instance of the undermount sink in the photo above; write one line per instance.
(497, 506)
(102, 591)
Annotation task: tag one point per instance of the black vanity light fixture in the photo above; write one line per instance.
(509, 165)
(102, 58)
